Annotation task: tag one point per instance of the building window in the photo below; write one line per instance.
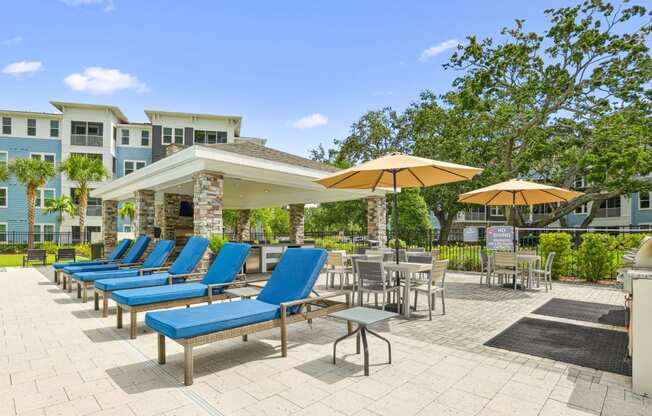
(48, 157)
(97, 156)
(3, 232)
(579, 183)
(31, 127)
(44, 195)
(6, 125)
(126, 228)
(86, 133)
(4, 158)
(495, 211)
(133, 165)
(144, 138)
(167, 135)
(582, 209)
(54, 128)
(43, 232)
(644, 200)
(178, 136)
(3, 197)
(210, 137)
(124, 134)
(114, 165)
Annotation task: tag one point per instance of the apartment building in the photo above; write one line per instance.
(96, 131)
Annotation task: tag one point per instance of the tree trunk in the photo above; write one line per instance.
(446, 223)
(31, 208)
(594, 211)
(83, 204)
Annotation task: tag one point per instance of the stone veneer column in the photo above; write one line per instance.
(207, 207)
(170, 216)
(242, 231)
(109, 225)
(145, 216)
(377, 219)
(296, 223)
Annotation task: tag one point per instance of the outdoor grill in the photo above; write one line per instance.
(637, 263)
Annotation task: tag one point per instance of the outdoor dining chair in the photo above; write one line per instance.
(506, 265)
(485, 267)
(372, 278)
(546, 272)
(434, 285)
(416, 250)
(336, 265)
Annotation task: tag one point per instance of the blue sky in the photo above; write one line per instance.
(299, 73)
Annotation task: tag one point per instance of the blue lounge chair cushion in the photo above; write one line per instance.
(137, 249)
(117, 252)
(120, 283)
(228, 263)
(147, 295)
(192, 252)
(294, 275)
(106, 274)
(91, 268)
(206, 319)
(159, 254)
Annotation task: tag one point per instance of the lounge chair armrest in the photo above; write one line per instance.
(285, 305)
(183, 276)
(153, 269)
(121, 265)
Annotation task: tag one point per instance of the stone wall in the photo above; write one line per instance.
(169, 219)
(377, 219)
(109, 225)
(207, 204)
(296, 223)
(145, 213)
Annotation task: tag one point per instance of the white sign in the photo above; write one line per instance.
(500, 238)
(471, 235)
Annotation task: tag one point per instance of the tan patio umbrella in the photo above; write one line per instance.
(517, 192)
(397, 170)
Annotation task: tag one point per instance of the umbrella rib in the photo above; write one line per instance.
(466, 197)
(556, 196)
(450, 172)
(343, 179)
(524, 198)
(416, 177)
(373, 188)
(492, 198)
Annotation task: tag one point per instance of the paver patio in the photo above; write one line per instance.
(59, 357)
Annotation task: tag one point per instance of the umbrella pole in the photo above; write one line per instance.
(514, 222)
(396, 243)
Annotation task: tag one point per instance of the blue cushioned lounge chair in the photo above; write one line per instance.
(130, 259)
(182, 267)
(283, 301)
(119, 250)
(220, 275)
(156, 259)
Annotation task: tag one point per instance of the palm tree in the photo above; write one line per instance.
(4, 173)
(127, 210)
(60, 206)
(83, 171)
(33, 174)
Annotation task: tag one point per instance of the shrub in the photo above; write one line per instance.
(12, 248)
(216, 243)
(83, 250)
(560, 244)
(597, 256)
(50, 247)
(401, 243)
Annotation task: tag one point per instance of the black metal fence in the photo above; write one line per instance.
(19, 238)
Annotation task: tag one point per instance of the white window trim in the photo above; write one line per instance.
(639, 202)
(41, 233)
(122, 137)
(7, 197)
(124, 228)
(42, 154)
(28, 127)
(11, 126)
(149, 139)
(6, 232)
(50, 129)
(124, 165)
(497, 213)
(6, 153)
(41, 191)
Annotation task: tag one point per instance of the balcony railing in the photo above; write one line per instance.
(608, 212)
(92, 211)
(86, 140)
(475, 216)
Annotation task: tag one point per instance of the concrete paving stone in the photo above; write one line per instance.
(273, 406)
(347, 402)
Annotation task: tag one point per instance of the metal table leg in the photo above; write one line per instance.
(341, 339)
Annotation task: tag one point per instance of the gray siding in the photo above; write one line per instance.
(188, 136)
(158, 151)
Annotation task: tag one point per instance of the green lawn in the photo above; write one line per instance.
(7, 260)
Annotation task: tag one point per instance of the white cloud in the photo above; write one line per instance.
(22, 68)
(15, 41)
(106, 4)
(98, 80)
(439, 48)
(311, 121)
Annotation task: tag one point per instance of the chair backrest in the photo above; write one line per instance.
(549, 261)
(527, 252)
(505, 259)
(416, 250)
(294, 276)
(119, 249)
(190, 256)
(335, 259)
(136, 250)
(391, 256)
(419, 257)
(227, 264)
(438, 273)
(159, 254)
(374, 252)
(36, 254)
(435, 253)
(370, 271)
(66, 254)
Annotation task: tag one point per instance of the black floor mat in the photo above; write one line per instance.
(597, 348)
(599, 313)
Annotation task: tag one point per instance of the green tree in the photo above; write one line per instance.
(572, 101)
(412, 210)
(127, 210)
(4, 173)
(83, 171)
(33, 174)
(60, 206)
